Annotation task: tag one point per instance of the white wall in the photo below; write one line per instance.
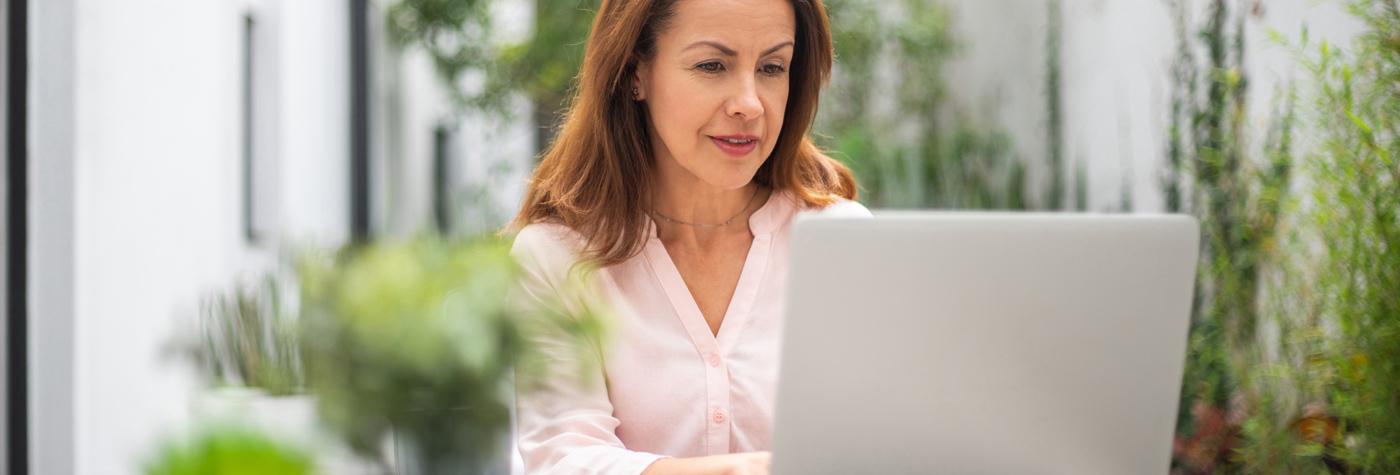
(411, 105)
(51, 286)
(157, 195)
(1115, 65)
(494, 155)
(314, 118)
(499, 154)
(158, 209)
(138, 177)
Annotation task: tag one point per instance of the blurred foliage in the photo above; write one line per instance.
(1357, 214)
(906, 143)
(1320, 392)
(541, 67)
(229, 451)
(1054, 114)
(247, 338)
(419, 338)
(1237, 192)
(457, 35)
(454, 33)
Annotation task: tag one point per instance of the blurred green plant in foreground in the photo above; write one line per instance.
(420, 338)
(229, 450)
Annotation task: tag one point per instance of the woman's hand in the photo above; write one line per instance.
(747, 463)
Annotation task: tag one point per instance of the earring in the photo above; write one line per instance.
(636, 93)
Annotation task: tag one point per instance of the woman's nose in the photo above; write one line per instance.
(744, 104)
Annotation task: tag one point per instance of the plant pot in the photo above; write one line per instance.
(408, 458)
(290, 418)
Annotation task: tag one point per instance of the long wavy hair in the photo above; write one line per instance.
(596, 176)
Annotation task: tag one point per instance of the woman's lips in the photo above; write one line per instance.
(736, 145)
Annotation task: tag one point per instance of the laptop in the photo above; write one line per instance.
(962, 343)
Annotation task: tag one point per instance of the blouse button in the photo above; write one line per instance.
(719, 416)
(712, 359)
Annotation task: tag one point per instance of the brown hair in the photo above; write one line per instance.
(595, 177)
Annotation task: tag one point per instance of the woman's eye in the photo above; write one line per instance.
(710, 67)
(773, 69)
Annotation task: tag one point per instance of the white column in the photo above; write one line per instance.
(52, 230)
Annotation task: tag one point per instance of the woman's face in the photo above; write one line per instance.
(717, 87)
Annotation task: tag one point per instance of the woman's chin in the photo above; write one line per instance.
(733, 175)
(731, 181)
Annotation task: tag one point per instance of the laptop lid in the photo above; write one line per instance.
(984, 343)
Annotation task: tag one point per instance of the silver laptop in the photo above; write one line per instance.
(984, 343)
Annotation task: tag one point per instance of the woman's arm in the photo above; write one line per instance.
(564, 419)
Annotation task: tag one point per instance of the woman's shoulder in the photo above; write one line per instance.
(838, 207)
(842, 208)
(549, 256)
(547, 245)
(547, 234)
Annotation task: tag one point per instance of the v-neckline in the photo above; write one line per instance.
(736, 313)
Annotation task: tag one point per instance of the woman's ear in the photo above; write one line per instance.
(638, 89)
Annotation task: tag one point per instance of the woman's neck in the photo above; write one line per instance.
(690, 210)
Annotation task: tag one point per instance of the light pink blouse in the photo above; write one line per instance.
(669, 387)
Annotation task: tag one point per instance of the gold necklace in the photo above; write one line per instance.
(707, 225)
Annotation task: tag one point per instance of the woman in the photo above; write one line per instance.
(677, 174)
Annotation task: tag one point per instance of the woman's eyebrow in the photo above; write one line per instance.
(777, 47)
(727, 51)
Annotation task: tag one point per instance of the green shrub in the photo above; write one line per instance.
(1357, 213)
(1240, 193)
(229, 451)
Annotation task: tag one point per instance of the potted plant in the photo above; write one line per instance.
(246, 351)
(246, 339)
(419, 338)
